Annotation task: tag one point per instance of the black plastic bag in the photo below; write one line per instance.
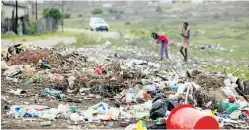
(160, 106)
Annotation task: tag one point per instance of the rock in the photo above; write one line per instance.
(84, 90)
(98, 96)
(74, 117)
(4, 65)
(93, 127)
(71, 82)
(91, 95)
(144, 82)
(45, 123)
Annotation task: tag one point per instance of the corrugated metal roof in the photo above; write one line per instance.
(13, 3)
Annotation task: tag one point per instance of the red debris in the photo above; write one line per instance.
(33, 57)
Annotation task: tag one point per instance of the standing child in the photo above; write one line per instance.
(164, 44)
(185, 43)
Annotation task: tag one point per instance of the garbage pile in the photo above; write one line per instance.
(132, 93)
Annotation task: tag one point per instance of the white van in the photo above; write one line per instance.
(98, 24)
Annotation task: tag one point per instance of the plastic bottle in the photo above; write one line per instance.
(128, 98)
(73, 109)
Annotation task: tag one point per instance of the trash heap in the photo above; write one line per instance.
(132, 93)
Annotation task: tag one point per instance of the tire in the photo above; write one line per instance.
(107, 29)
(91, 29)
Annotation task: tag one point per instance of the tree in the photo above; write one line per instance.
(159, 9)
(97, 11)
(53, 13)
(121, 12)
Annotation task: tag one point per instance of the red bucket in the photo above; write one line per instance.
(187, 117)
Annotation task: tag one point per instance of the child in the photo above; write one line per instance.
(164, 43)
(186, 35)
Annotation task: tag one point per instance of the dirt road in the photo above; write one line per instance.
(51, 41)
(103, 34)
(42, 43)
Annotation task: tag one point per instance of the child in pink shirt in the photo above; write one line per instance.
(164, 43)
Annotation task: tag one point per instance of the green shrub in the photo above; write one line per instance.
(111, 11)
(33, 28)
(84, 39)
(80, 15)
(127, 23)
(97, 11)
(159, 9)
(67, 16)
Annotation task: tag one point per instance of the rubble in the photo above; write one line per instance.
(119, 92)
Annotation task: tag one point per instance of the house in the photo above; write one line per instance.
(8, 11)
(107, 5)
(9, 6)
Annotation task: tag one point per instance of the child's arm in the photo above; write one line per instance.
(157, 41)
(187, 35)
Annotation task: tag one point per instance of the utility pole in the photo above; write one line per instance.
(32, 7)
(16, 28)
(36, 9)
(62, 10)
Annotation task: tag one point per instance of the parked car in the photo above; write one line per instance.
(98, 24)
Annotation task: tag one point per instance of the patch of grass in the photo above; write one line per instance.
(85, 39)
(241, 71)
(9, 35)
(44, 35)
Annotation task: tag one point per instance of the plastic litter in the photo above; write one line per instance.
(49, 113)
(71, 81)
(54, 93)
(74, 117)
(15, 80)
(59, 78)
(18, 92)
(44, 64)
(64, 110)
(12, 71)
(230, 107)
